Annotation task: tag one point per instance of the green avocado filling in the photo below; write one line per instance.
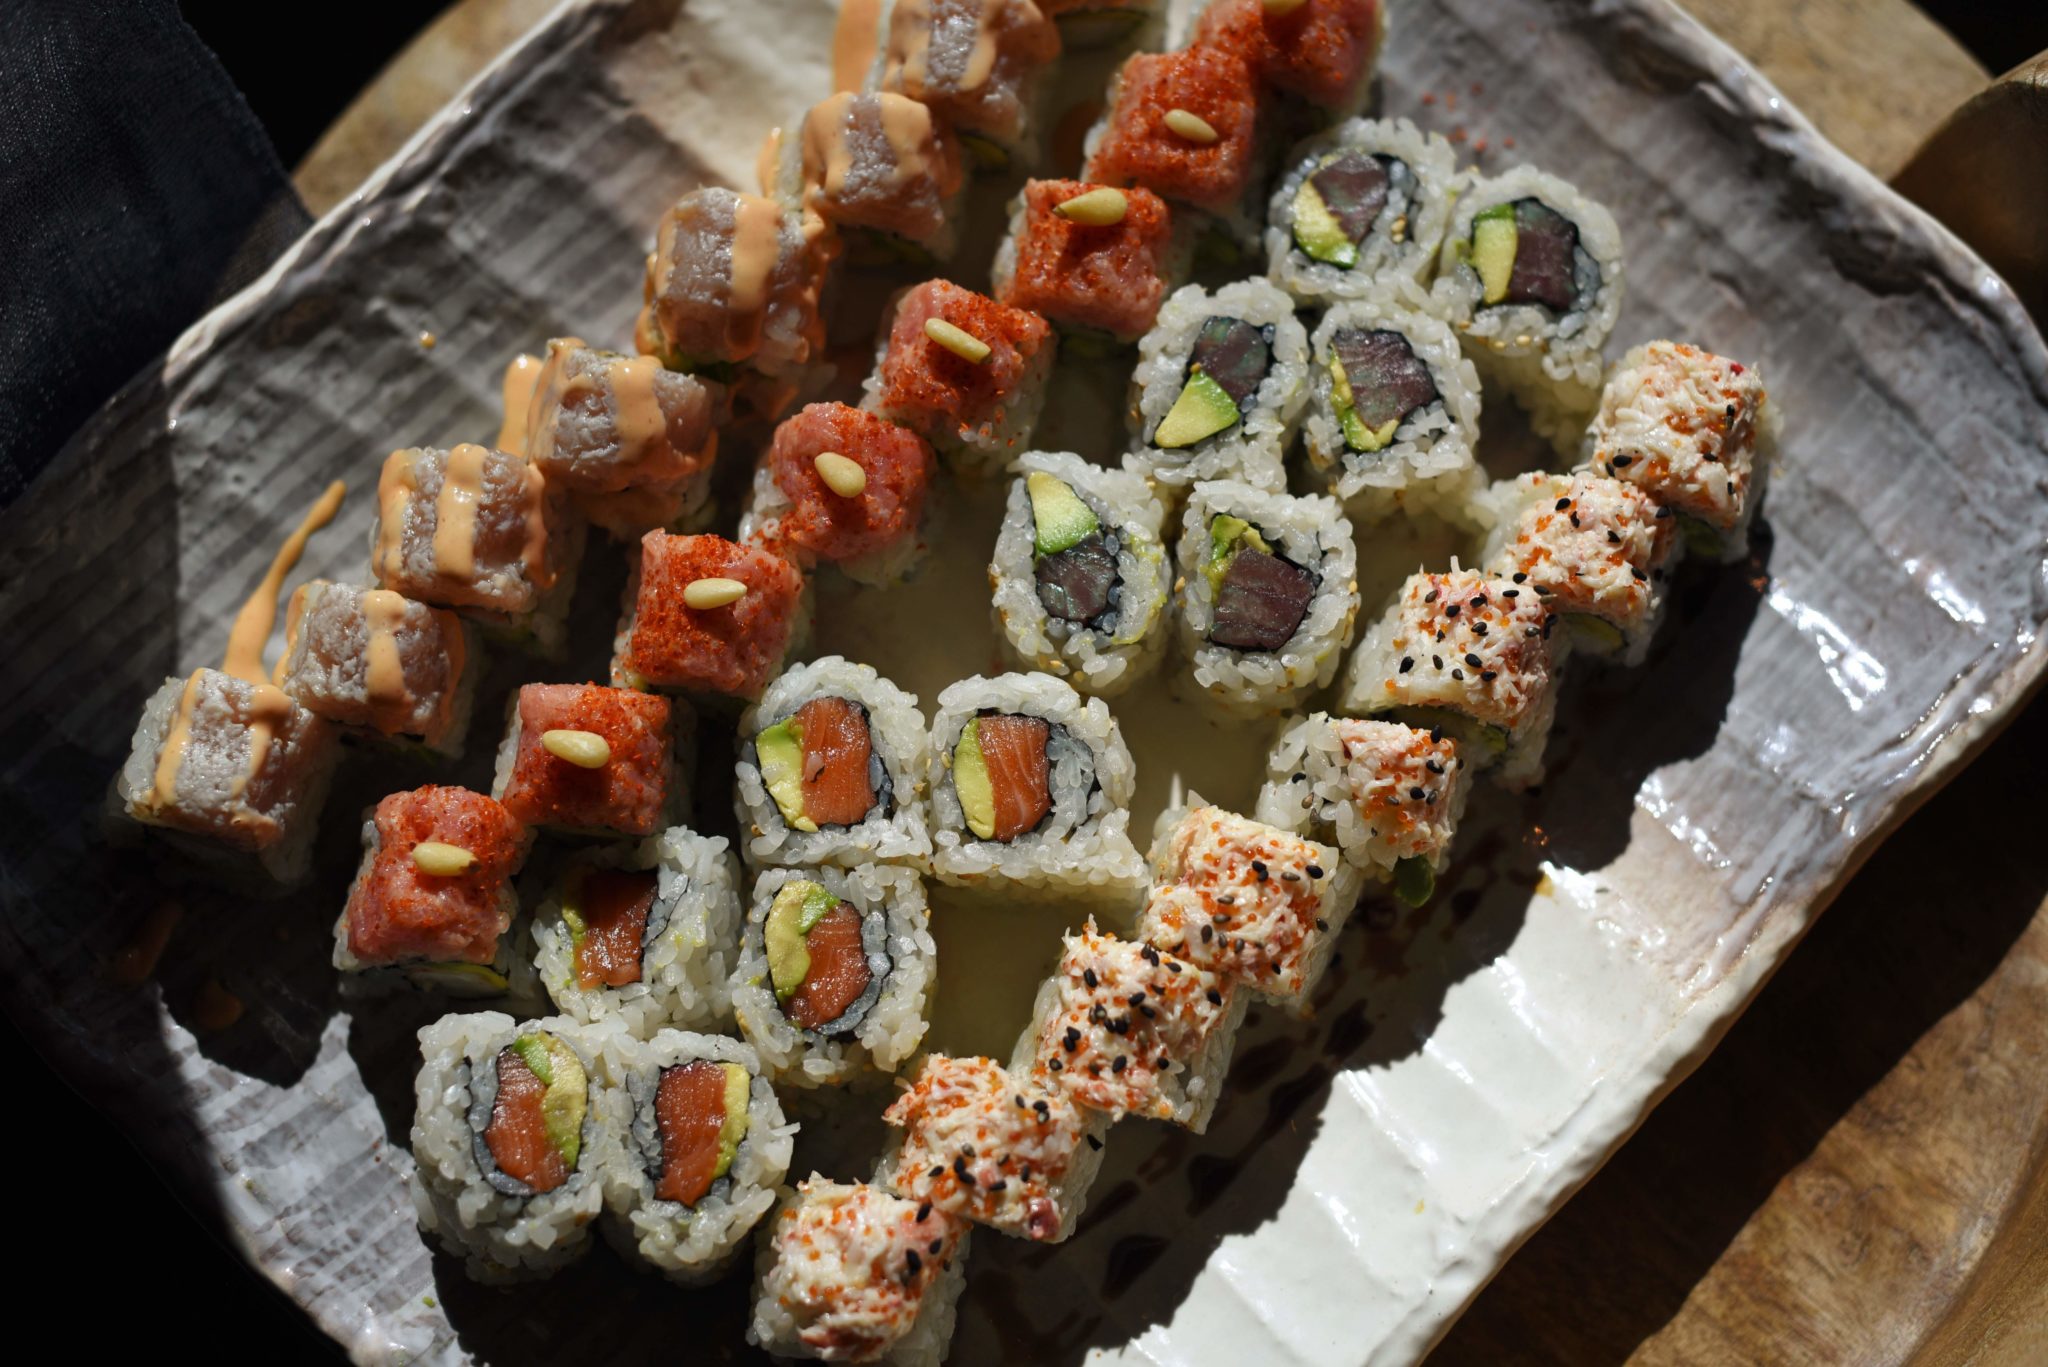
(1414, 880)
(1596, 634)
(780, 750)
(1494, 241)
(1203, 409)
(1059, 518)
(1357, 435)
(457, 979)
(1317, 231)
(568, 1090)
(971, 782)
(739, 1089)
(800, 905)
(1228, 535)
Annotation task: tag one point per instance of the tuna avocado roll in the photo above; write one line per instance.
(1092, 260)
(584, 759)
(1361, 206)
(843, 487)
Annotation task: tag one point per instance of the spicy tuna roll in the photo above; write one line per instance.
(1317, 56)
(831, 770)
(711, 618)
(1268, 591)
(377, 662)
(1080, 577)
(1092, 260)
(963, 371)
(1361, 205)
(1184, 125)
(584, 759)
(843, 487)
(976, 64)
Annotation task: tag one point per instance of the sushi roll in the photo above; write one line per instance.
(1530, 276)
(978, 65)
(230, 773)
(1100, 23)
(1268, 593)
(831, 770)
(1184, 125)
(631, 444)
(433, 903)
(643, 934)
(1259, 907)
(379, 663)
(1127, 1029)
(1219, 389)
(583, 759)
(1470, 653)
(734, 293)
(1080, 578)
(1360, 205)
(849, 1273)
(1696, 432)
(1597, 550)
(693, 1149)
(1316, 57)
(482, 532)
(836, 972)
(843, 487)
(885, 171)
(964, 372)
(1394, 411)
(1031, 793)
(708, 617)
(1006, 1150)
(505, 1141)
(1093, 261)
(1388, 795)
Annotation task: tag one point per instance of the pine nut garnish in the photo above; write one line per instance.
(441, 861)
(1098, 208)
(584, 749)
(702, 594)
(842, 475)
(1193, 127)
(965, 345)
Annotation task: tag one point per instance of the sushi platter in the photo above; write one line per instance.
(996, 681)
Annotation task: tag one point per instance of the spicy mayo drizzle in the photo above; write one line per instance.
(522, 377)
(853, 43)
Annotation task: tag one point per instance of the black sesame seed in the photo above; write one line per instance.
(1118, 1064)
(1407, 663)
(960, 1171)
(1458, 674)
(1429, 597)
(1488, 675)
(1415, 793)
(1094, 1142)
(1020, 1101)
(1055, 1065)
(936, 1172)
(1623, 462)
(1437, 660)
(935, 1246)
(1149, 955)
(1562, 504)
(913, 1262)
(1000, 1184)
(1315, 870)
(1511, 593)
(1172, 966)
(1640, 577)
(924, 1212)
(1520, 577)
(1208, 933)
(1088, 977)
(1451, 611)
(1148, 1013)
(1436, 735)
(1137, 999)
(1432, 766)
(1575, 519)
(1073, 1039)
(1472, 659)
(1321, 924)
(1613, 537)
(1479, 628)
(1259, 869)
(1215, 997)
(1479, 602)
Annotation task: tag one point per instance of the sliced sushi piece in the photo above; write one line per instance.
(964, 372)
(1471, 653)
(979, 65)
(1007, 1150)
(1388, 795)
(835, 972)
(1031, 793)
(643, 934)
(1184, 125)
(831, 770)
(694, 1148)
(1258, 906)
(1219, 389)
(1268, 595)
(1089, 259)
(1361, 206)
(505, 1143)
(1597, 550)
(849, 1273)
(885, 171)
(1080, 577)
(708, 617)
(433, 900)
(847, 488)
(1127, 1029)
(1696, 432)
(232, 775)
(590, 760)
(376, 661)
(1317, 53)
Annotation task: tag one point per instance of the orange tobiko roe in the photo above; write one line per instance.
(732, 649)
(628, 793)
(1320, 51)
(396, 911)
(1110, 277)
(1213, 83)
(897, 462)
(943, 394)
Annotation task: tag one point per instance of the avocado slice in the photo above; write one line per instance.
(971, 782)
(1414, 880)
(1493, 251)
(1058, 515)
(739, 1090)
(457, 979)
(800, 905)
(568, 1091)
(1596, 634)
(1226, 535)
(1357, 435)
(1317, 231)
(780, 750)
(1203, 409)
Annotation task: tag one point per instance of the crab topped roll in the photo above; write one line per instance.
(832, 770)
(1597, 550)
(847, 488)
(1317, 53)
(505, 1143)
(590, 760)
(1696, 432)
(1388, 795)
(1268, 592)
(643, 934)
(1531, 277)
(1128, 1029)
(708, 617)
(884, 170)
(1258, 906)
(1031, 793)
(977, 64)
(1219, 389)
(1008, 1150)
(966, 373)
(849, 1273)
(1092, 260)
(1080, 577)
(694, 1146)
(1184, 125)
(836, 972)
(1394, 413)
(1360, 205)
(378, 662)
(1471, 653)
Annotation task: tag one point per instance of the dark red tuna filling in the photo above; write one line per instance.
(1551, 268)
(1079, 584)
(1388, 380)
(1235, 354)
(1260, 601)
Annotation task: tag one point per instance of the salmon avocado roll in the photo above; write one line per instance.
(708, 617)
(843, 487)
(586, 759)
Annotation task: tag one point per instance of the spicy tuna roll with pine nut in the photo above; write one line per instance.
(1093, 260)
(709, 618)
(843, 487)
(583, 759)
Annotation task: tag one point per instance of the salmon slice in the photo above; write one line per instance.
(1013, 748)
(839, 970)
(518, 1133)
(689, 1108)
(837, 749)
(615, 906)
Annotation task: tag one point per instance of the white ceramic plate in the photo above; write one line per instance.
(1371, 1167)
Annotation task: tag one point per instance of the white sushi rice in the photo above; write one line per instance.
(1403, 241)
(1325, 777)
(894, 833)
(1095, 663)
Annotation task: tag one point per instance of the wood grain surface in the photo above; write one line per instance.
(1859, 1173)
